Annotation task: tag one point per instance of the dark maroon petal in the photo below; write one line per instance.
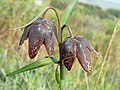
(49, 42)
(88, 45)
(41, 31)
(52, 27)
(68, 50)
(68, 63)
(35, 41)
(26, 31)
(83, 57)
(24, 35)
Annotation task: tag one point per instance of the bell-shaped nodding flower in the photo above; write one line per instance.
(77, 46)
(38, 33)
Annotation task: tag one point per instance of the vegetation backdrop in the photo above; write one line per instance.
(91, 22)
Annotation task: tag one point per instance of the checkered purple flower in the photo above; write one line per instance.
(77, 47)
(38, 33)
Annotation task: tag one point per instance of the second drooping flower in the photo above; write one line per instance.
(77, 46)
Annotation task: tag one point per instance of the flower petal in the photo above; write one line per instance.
(49, 42)
(88, 45)
(26, 32)
(35, 41)
(52, 27)
(83, 57)
(68, 50)
(68, 63)
(24, 35)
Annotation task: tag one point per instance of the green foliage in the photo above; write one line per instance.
(57, 74)
(60, 4)
(87, 22)
(68, 12)
(114, 12)
(37, 64)
(96, 11)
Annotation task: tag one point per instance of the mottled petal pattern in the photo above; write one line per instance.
(68, 52)
(77, 46)
(38, 33)
(49, 42)
(34, 43)
(69, 63)
(83, 57)
(88, 45)
(53, 27)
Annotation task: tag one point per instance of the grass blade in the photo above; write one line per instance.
(57, 74)
(68, 12)
(36, 64)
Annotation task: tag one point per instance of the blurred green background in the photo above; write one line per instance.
(92, 22)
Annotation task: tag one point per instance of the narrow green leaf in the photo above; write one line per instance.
(54, 59)
(57, 74)
(36, 64)
(68, 12)
(49, 86)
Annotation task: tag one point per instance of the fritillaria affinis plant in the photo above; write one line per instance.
(41, 31)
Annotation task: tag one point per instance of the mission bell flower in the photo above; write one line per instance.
(77, 46)
(38, 33)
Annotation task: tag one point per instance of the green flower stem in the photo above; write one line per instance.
(59, 41)
(62, 74)
(70, 31)
(61, 64)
